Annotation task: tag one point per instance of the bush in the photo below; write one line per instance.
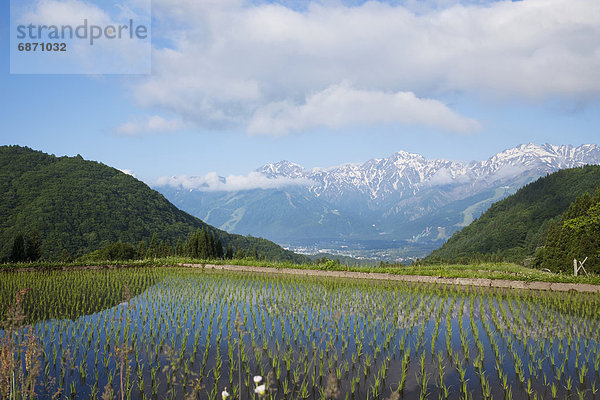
(113, 252)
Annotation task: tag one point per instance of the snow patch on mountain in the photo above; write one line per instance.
(405, 173)
(404, 198)
(400, 175)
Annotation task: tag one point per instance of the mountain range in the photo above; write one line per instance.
(402, 206)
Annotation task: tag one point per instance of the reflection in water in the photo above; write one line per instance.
(156, 333)
(58, 295)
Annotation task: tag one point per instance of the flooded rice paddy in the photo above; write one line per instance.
(186, 333)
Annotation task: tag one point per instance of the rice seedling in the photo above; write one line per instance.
(184, 333)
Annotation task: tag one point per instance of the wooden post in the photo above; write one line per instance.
(580, 266)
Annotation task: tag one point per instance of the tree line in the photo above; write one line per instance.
(576, 235)
(514, 229)
(201, 244)
(26, 248)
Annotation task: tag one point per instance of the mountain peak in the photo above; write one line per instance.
(282, 168)
(404, 173)
(406, 154)
(404, 196)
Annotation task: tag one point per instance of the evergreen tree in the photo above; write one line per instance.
(141, 249)
(192, 245)
(33, 245)
(229, 252)
(153, 247)
(212, 246)
(179, 248)
(17, 253)
(219, 249)
(65, 257)
(168, 248)
(203, 249)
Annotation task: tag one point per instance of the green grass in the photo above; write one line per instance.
(506, 271)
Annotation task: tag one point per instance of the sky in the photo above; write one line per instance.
(236, 84)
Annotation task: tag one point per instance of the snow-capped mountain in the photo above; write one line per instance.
(404, 197)
(407, 173)
(398, 175)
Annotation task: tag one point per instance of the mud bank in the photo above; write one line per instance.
(479, 282)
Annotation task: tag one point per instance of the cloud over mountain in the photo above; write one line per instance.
(341, 105)
(267, 67)
(212, 182)
(148, 125)
(401, 197)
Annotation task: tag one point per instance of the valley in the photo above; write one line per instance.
(396, 208)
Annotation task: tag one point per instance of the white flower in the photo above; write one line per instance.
(260, 390)
(257, 379)
(224, 394)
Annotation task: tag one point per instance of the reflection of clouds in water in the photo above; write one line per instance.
(376, 314)
(543, 322)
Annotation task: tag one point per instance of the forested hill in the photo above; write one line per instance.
(515, 228)
(80, 206)
(575, 236)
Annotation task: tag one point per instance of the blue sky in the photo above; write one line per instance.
(238, 84)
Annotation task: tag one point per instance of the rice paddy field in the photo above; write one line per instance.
(154, 333)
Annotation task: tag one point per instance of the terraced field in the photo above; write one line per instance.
(186, 333)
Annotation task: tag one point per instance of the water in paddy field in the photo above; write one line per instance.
(183, 333)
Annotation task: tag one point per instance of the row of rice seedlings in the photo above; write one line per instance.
(200, 335)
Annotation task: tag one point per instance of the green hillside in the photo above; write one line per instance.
(575, 236)
(515, 228)
(80, 206)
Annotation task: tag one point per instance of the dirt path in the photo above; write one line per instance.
(493, 283)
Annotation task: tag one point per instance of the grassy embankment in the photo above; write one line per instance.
(507, 271)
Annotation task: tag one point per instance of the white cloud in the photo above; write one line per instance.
(446, 176)
(341, 105)
(509, 171)
(230, 63)
(128, 172)
(212, 182)
(118, 55)
(152, 124)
